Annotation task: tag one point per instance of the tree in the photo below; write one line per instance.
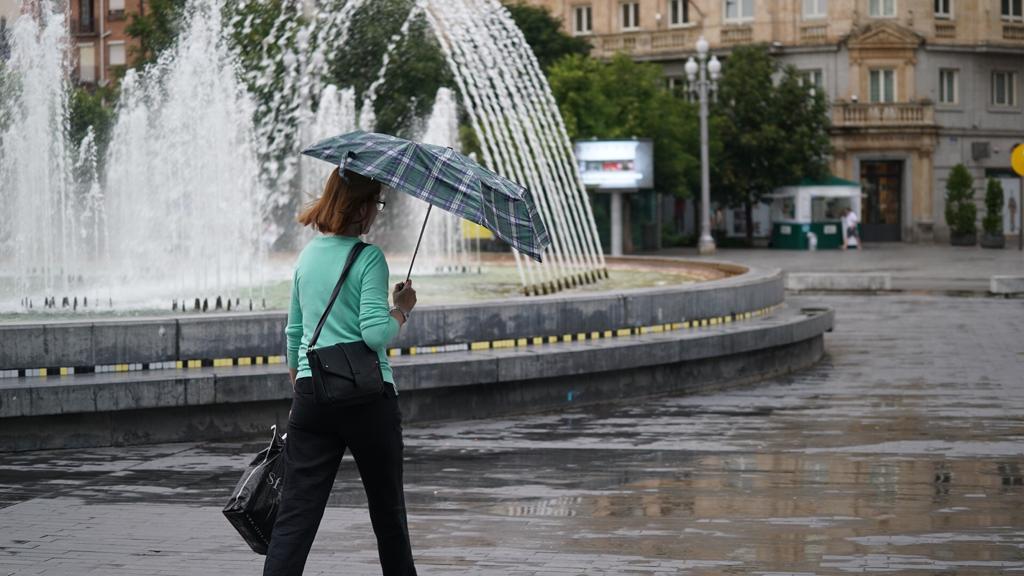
(772, 134)
(992, 223)
(415, 70)
(543, 32)
(961, 213)
(155, 28)
(626, 99)
(92, 109)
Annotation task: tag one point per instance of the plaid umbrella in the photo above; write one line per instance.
(444, 178)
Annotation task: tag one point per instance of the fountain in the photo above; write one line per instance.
(185, 205)
(186, 151)
(39, 229)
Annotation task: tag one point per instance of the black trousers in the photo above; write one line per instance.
(317, 438)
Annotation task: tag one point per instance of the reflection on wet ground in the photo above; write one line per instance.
(902, 452)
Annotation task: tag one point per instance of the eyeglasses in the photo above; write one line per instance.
(380, 205)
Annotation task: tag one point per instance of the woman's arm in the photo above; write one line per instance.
(293, 329)
(376, 324)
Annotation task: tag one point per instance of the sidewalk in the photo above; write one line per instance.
(914, 267)
(900, 453)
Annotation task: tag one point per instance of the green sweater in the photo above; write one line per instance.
(360, 312)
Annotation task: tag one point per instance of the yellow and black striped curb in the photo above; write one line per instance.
(691, 324)
(137, 366)
(581, 336)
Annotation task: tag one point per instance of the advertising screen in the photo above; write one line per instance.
(616, 165)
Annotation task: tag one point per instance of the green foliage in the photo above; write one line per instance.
(156, 30)
(544, 33)
(992, 223)
(772, 134)
(626, 99)
(92, 109)
(261, 32)
(961, 213)
(416, 69)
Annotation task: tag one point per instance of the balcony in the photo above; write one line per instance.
(814, 33)
(81, 27)
(667, 42)
(1013, 31)
(889, 115)
(945, 29)
(737, 35)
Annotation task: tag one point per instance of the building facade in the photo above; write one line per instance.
(915, 86)
(100, 45)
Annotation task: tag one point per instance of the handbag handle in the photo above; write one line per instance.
(356, 250)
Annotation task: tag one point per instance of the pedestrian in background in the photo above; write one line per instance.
(851, 234)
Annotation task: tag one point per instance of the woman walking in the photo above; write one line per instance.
(319, 434)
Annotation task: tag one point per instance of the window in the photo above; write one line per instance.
(116, 54)
(882, 8)
(676, 85)
(813, 78)
(678, 12)
(583, 17)
(882, 85)
(1004, 89)
(949, 89)
(815, 8)
(944, 9)
(738, 10)
(86, 63)
(115, 5)
(85, 23)
(630, 15)
(1012, 9)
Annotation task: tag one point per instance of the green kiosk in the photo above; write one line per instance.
(807, 216)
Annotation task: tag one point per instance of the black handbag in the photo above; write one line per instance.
(347, 373)
(252, 507)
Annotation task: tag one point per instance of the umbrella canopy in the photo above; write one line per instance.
(444, 178)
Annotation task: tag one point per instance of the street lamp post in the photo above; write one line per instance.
(703, 85)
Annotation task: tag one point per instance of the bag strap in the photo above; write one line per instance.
(352, 255)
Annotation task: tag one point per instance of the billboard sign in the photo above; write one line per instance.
(616, 165)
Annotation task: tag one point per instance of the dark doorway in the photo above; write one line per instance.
(881, 194)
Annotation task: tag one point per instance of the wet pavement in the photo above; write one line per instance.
(927, 267)
(901, 453)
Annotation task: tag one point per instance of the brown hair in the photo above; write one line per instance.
(341, 203)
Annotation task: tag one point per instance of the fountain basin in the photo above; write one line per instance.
(227, 377)
(100, 344)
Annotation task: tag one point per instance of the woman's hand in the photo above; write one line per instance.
(404, 296)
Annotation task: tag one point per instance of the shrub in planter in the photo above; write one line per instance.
(992, 223)
(961, 213)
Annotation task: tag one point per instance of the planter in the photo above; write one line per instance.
(963, 239)
(990, 241)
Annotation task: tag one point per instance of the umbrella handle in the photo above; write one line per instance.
(416, 251)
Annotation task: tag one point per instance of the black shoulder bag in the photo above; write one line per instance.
(347, 373)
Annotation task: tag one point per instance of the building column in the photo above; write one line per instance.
(616, 223)
(839, 165)
(923, 183)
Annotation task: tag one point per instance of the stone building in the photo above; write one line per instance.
(915, 86)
